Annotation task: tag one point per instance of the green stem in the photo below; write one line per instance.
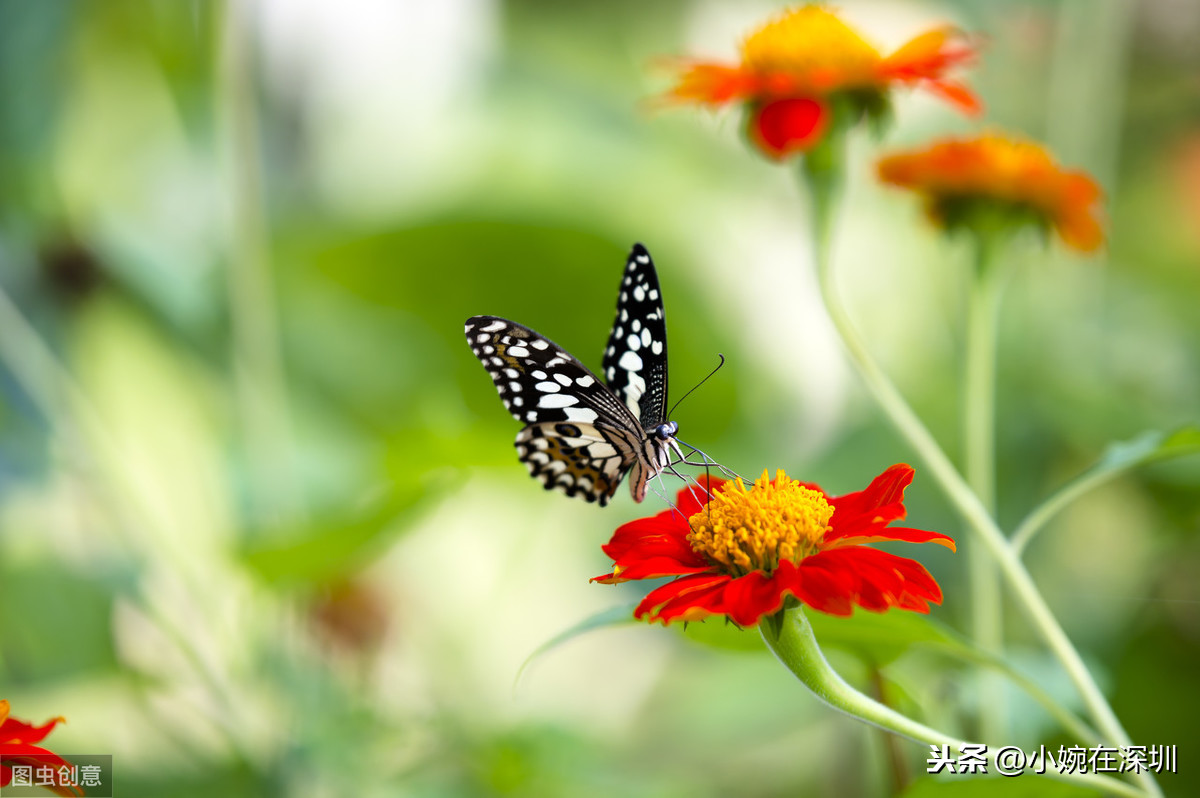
(964, 500)
(979, 437)
(257, 361)
(790, 638)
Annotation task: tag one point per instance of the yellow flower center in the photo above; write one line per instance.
(754, 530)
(813, 45)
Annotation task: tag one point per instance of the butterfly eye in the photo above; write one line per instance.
(665, 431)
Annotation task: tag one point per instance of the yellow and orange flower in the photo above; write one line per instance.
(795, 67)
(741, 553)
(18, 746)
(994, 177)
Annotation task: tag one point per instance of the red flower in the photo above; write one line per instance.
(18, 746)
(794, 69)
(741, 553)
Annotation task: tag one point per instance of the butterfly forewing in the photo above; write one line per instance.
(635, 359)
(577, 429)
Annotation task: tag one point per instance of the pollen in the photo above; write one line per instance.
(814, 45)
(744, 530)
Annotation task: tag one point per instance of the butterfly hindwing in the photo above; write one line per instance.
(575, 458)
(635, 358)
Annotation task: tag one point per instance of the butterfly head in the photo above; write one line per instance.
(665, 432)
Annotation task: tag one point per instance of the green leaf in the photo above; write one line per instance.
(723, 634)
(877, 638)
(1118, 458)
(1149, 447)
(614, 616)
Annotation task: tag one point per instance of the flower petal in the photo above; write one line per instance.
(874, 507)
(833, 580)
(15, 731)
(787, 126)
(906, 534)
(712, 84)
(748, 598)
(689, 598)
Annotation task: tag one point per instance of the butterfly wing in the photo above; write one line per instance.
(635, 359)
(580, 438)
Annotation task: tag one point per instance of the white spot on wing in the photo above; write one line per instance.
(562, 379)
(656, 347)
(646, 337)
(583, 381)
(518, 351)
(495, 326)
(633, 342)
(539, 344)
(630, 361)
(556, 400)
(584, 414)
(548, 387)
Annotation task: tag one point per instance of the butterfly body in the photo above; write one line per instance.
(582, 434)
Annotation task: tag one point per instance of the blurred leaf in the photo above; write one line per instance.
(316, 551)
(55, 623)
(614, 616)
(1149, 447)
(1118, 458)
(722, 634)
(878, 638)
(1023, 786)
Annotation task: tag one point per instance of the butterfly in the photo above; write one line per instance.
(582, 435)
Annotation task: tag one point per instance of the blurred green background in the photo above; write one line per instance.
(262, 528)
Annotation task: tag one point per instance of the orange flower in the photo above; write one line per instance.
(793, 69)
(966, 182)
(741, 553)
(18, 746)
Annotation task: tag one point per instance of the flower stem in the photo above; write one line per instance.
(964, 500)
(979, 437)
(257, 360)
(790, 638)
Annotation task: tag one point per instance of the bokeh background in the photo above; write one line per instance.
(262, 528)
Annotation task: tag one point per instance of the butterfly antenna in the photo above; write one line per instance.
(697, 385)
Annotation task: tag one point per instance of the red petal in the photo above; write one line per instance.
(748, 598)
(957, 94)
(15, 731)
(873, 579)
(821, 588)
(784, 127)
(20, 753)
(904, 533)
(687, 598)
(880, 503)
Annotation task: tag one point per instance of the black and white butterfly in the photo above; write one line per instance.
(582, 434)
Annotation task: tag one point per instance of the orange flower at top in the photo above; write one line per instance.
(18, 747)
(792, 67)
(741, 553)
(1008, 179)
